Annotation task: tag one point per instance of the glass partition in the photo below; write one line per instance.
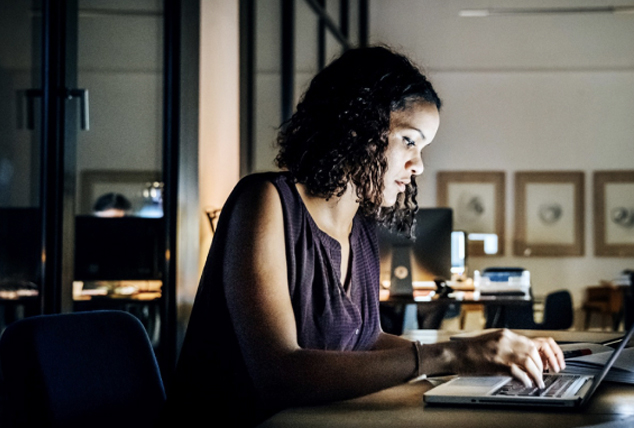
(119, 245)
(20, 142)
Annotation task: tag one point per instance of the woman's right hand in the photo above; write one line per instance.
(504, 352)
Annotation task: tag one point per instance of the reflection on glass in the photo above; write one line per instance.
(119, 249)
(20, 213)
(112, 205)
(153, 197)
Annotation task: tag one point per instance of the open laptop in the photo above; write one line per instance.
(562, 390)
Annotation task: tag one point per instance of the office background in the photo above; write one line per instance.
(548, 92)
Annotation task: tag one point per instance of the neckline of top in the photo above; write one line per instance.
(313, 224)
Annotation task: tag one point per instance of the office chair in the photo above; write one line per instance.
(84, 369)
(558, 314)
(558, 311)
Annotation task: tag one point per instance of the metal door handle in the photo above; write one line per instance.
(31, 94)
(84, 115)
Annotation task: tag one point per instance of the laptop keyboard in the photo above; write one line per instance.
(555, 386)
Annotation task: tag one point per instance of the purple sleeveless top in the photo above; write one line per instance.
(211, 377)
(327, 316)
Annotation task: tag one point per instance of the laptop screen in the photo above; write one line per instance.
(608, 365)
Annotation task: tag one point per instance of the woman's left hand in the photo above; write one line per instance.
(550, 353)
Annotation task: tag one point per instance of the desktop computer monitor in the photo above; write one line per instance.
(20, 246)
(123, 248)
(426, 257)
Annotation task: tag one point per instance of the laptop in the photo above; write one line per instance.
(562, 390)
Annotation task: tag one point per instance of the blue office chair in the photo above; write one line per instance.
(558, 311)
(558, 314)
(85, 369)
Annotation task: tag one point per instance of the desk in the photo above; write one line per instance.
(403, 406)
(497, 304)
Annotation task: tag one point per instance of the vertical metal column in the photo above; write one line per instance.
(57, 156)
(364, 18)
(171, 158)
(288, 58)
(321, 38)
(344, 17)
(247, 86)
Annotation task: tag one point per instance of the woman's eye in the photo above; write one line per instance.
(409, 142)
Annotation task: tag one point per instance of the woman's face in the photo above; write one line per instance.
(411, 130)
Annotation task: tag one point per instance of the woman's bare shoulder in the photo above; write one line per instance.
(253, 208)
(254, 194)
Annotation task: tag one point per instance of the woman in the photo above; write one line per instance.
(287, 309)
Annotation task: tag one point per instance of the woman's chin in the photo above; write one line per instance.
(389, 201)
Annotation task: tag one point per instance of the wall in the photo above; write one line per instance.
(536, 92)
(219, 127)
(219, 115)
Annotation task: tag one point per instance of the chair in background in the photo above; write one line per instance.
(558, 314)
(605, 300)
(212, 215)
(84, 369)
(558, 311)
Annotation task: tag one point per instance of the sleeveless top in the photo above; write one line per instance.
(211, 376)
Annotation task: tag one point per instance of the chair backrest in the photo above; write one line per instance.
(520, 317)
(558, 314)
(88, 369)
(558, 311)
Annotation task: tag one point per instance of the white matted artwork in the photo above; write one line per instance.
(477, 201)
(549, 214)
(473, 206)
(550, 210)
(614, 213)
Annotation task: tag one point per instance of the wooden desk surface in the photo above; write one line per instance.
(403, 406)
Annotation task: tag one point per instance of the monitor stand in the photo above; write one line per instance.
(401, 277)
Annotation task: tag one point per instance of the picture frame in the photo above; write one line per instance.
(613, 193)
(477, 199)
(129, 183)
(549, 213)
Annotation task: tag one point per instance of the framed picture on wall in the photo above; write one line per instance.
(614, 213)
(549, 214)
(477, 199)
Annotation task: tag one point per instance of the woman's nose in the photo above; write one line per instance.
(416, 165)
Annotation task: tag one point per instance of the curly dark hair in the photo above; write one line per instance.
(339, 133)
